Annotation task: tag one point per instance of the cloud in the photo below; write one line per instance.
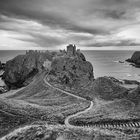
(54, 23)
(118, 43)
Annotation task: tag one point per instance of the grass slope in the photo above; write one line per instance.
(105, 111)
(37, 102)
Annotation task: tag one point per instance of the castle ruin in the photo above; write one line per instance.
(71, 50)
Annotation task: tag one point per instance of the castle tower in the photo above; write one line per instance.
(71, 50)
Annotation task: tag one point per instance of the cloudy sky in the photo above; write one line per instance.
(52, 24)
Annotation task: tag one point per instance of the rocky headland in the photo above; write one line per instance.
(135, 59)
(71, 68)
(20, 69)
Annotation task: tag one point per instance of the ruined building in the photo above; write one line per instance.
(71, 50)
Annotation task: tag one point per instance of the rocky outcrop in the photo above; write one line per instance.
(135, 59)
(72, 69)
(22, 67)
(105, 88)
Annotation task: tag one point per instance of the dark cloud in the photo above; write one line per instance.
(115, 14)
(47, 41)
(113, 2)
(76, 19)
(117, 43)
(26, 11)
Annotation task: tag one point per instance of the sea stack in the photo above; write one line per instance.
(72, 69)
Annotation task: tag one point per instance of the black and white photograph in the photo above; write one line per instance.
(69, 69)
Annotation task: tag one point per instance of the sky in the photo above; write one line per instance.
(52, 24)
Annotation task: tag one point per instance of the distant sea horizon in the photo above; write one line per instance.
(105, 62)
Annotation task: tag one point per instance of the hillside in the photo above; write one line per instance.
(37, 102)
(63, 99)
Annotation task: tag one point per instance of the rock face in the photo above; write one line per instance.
(22, 67)
(72, 69)
(135, 58)
(105, 88)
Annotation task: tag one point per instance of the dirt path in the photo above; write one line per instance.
(77, 114)
(68, 93)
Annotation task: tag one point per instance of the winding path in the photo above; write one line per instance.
(68, 93)
(74, 115)
(130, 124)
(78, 97)
(67, 123)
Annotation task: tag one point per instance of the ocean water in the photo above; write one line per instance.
(6, 55)
(105, 63)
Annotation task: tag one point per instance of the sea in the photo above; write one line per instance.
(105, 63)
(112, 63)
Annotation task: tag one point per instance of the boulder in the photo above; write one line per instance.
(22, 67)
(105, 88)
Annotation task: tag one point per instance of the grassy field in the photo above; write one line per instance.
(37, 102)
(105, 111)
